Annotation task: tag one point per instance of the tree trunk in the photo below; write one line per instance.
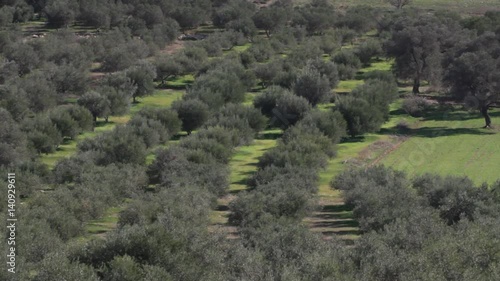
(133, 99)
(416, 85)
(95, 122)
(487, 118)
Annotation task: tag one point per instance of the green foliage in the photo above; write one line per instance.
(267, 72)
(290, 109)
(330, 123)
(347, 63)
(217, 88)
(361, 117)
(121, 145)
(97, 104)
(12, 141)
(367, 50)
(267, 101)
(58, 267)
(455, 198)
(43, 135)
(379, 94)
(192, 112)
(271, 19)
(379, 196)
(360, 18)
(232, 11)
(167, 117)
(60, 13)
(313, 86)
(151, 131)
(416, 106)
(142, 76)
(316, 17)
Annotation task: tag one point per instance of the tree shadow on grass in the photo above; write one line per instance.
(457, 115)
(434, 132)
(269, 135)
(398, 112)
(177, 87)
(353, 139)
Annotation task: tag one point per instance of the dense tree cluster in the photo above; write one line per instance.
(58, 85)
(442, 226)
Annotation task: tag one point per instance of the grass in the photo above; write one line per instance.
(106, 223)
(464, 6)
(244, 162)
(451, 143)
(243, 165)
(347, 86)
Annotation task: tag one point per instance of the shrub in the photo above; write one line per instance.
(361, 116)
(346, 72)
(267, 101)
(367, 50)
(330, 123)
(192, 112)
(313, 86)
(290, 109)
(347, 57)
(416, 106)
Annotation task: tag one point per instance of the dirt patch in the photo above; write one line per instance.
(387, 148)
(173, 48)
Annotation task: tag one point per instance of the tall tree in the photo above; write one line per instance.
(415, 43)
(142, 75)
(474, 74)
(96, 103)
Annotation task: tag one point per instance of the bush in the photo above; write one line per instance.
(121, 145)
(361, 116)
(267, 101)
(416, 106)
(151, 131)
(313, 86)
(290, 109)
(192, 112)
(347, 57)
(367, 50)
(167, 117)
(379, 195)
(346, 72)
(330, 123)
(267, 72)
(260, 51)
(217, 87)
(379, 94)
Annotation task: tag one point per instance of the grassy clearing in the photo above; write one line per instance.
(451, 143)
(333, 216)
(104, 224)
(347, 86)
(465, 6)
(243, 165)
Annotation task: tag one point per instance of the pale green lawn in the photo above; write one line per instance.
(244, 162)
(454, 146)
(463, 6)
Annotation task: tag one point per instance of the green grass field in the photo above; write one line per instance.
(451, 143)
(462, 6)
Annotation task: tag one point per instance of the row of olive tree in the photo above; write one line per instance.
(425, 225)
